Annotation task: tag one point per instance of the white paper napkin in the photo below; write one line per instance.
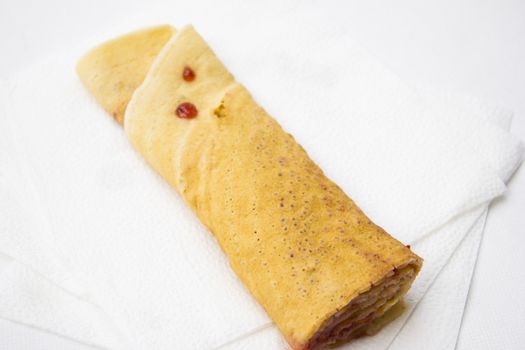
(128, 250)
(439, 314)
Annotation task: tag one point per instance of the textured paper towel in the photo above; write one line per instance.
(137, 253)
(446, 304)
(440, 246)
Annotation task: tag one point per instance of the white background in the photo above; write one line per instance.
(472, 47)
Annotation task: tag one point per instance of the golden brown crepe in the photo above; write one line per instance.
(320, 268)
(114, 70)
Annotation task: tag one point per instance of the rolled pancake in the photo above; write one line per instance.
(320, 268)
(113, 71)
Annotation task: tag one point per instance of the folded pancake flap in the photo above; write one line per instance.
(113, 71)
(317, 264)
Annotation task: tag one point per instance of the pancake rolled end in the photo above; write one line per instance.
(366, 313)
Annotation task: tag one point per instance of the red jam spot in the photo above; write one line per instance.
(188, 74)
(186, 110)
